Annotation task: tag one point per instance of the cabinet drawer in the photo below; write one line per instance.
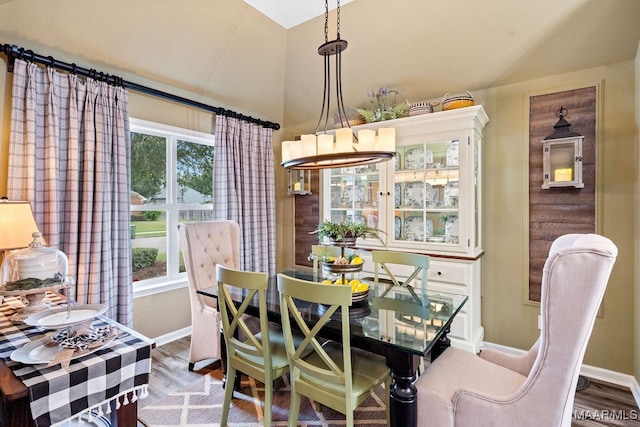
(459, 327)
(447, 272)
(450, 288)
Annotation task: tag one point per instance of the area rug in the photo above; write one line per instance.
(199, 404)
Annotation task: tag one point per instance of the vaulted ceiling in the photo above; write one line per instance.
(232, 55)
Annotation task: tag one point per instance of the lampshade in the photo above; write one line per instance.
(17, 224)
(321, 151)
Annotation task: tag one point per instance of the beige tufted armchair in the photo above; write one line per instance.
(205, 245)
(536, 388)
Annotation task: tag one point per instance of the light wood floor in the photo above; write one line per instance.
(601, 404)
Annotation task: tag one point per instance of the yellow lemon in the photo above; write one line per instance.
(357, 260)
(362, 287)
(339, 282)
(326, 282)
(354, 282)
(331, 259)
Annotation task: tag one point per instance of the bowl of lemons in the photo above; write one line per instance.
(359, 290)
(342, 265)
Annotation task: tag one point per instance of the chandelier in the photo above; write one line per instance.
(321, 150)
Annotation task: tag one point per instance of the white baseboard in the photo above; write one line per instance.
(613, 377)
(172, 336)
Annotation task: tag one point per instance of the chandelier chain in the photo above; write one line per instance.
(338, 20)
(326, 21)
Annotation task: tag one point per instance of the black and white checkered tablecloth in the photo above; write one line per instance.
(91, 383)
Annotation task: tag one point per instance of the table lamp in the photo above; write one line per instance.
(28, 268)
(17, 225)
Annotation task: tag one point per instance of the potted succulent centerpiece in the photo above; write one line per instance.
(344, 233)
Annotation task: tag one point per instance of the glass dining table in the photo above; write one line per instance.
(398, 326)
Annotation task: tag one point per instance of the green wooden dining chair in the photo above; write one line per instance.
(334, 374)
(382, 260)
(261, 356)
(319, 251)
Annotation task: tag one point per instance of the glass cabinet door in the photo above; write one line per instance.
(426, 193)
(427, 198)
(354, 194)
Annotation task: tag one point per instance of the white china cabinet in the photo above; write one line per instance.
(425, 200)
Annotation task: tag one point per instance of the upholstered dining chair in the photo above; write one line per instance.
(536, 388)
(204, 246)
(261, 356)
(414, 265)
(333, 374)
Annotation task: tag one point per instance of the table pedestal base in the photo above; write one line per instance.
(403, 408)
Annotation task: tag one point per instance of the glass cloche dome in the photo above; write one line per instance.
(31, 272)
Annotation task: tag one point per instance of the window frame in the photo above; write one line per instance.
(173, 279)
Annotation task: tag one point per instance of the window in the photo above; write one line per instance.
(171, 182)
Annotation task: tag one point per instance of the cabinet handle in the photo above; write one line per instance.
(381, 194)
(388, 193)
(439, 273)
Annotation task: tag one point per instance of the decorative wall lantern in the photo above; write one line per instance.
(562, 156)
(299, 182)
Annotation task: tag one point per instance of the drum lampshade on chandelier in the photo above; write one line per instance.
(321, 150)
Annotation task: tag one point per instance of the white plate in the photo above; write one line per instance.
(55, 318)
(414, 228)
(336, 196)
(354, 193)
(451, 193)
(413, 194)
(417, 158)
(452, 154)
(36, 352)
(414, 158)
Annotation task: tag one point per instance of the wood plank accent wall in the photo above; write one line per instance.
(559, 211)
(307, 216)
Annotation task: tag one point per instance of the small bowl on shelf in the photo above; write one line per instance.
(424, 107)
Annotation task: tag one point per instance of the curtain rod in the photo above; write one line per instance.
(13, 51)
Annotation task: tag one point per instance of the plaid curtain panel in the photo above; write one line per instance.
(244, 189)
(91, 383)
(69, 156)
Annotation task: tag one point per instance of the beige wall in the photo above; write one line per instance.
(637, 222)
(507, 318)
(160, 314)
